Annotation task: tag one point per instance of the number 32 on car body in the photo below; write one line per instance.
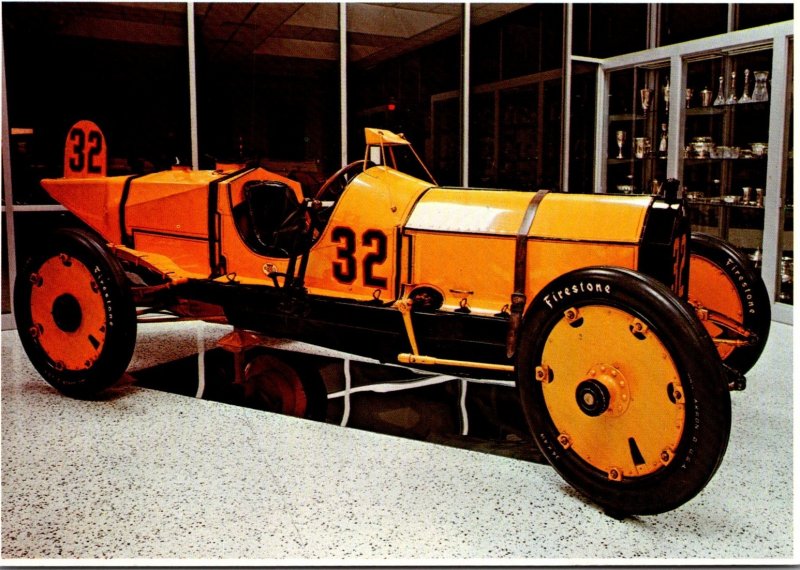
(85, 151)
(345, 266)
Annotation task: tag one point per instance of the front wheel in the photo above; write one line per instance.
(74, 313)
(623, 390)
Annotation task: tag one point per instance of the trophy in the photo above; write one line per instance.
(645, 96)
(620, 142)
(705, 97)
(665, 91)
(745, 98)
(689, 94)
(720, 100)
(731, 100)
(662, 143)
(760, 92)
(641, 147)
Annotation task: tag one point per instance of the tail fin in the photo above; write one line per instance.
(85, 151)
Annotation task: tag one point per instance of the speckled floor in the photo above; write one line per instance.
(144, 474)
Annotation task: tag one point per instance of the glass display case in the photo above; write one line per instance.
(715, 113)
(637, 129)
(725, 146)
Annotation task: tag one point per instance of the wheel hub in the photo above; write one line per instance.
(604, 391)
(593, 398)
(67, 313)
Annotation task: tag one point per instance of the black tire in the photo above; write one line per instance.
(74, 313)
(284, 385)
(723, 279)
(629, 375)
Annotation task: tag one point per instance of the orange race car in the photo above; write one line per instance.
(623, 331)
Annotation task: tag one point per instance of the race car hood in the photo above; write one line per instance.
(573, 217)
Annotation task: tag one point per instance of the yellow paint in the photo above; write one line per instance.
(656, 423)
(594, 217)
(95, 201)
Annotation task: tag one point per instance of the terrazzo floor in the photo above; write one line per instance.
(148, 476)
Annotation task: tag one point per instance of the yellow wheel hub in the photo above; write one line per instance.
(612, 391)
(68, 313)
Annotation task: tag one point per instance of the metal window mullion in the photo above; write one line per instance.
(566, 97)
(601, 129)
(773, 199)
(343, 79)
(192, 85)
(465, 80)
(676, 127)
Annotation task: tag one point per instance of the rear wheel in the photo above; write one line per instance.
(74, 313)
(623, 390)
(723, 282)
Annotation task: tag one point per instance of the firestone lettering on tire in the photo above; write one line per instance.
(741, 282)
(555, 297)
(106, 293)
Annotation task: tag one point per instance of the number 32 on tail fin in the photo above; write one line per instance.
(85, 151)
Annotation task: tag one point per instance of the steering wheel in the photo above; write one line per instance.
(335, 185)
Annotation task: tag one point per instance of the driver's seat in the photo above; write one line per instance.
(278, 219)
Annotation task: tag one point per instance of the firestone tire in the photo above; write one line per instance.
(75, 315)
(722, 279)
(623, 390)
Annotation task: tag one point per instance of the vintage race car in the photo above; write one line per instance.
(623, 331)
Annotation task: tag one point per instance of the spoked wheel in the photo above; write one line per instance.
(733, 300)
(623, 390)
(274, 384)
(74, 313)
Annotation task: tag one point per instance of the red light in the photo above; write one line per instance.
(391, 106)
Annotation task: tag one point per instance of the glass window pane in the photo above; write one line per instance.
(268, 87)
(122, 66)
(404, 75)
(751, 15)
(515, 113)
(683, 22)
(604, 30)
(582, 125)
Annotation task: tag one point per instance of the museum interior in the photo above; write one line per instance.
(183, 460)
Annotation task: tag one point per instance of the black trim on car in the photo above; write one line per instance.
(127, 239)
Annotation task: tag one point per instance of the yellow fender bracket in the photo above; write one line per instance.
(159, 264)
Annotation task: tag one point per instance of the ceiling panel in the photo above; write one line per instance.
(235, 31)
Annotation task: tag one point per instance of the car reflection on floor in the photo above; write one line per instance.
(479, 415)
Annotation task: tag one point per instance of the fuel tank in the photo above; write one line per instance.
(467, 240)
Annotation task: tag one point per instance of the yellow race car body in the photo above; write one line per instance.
(389, 236)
